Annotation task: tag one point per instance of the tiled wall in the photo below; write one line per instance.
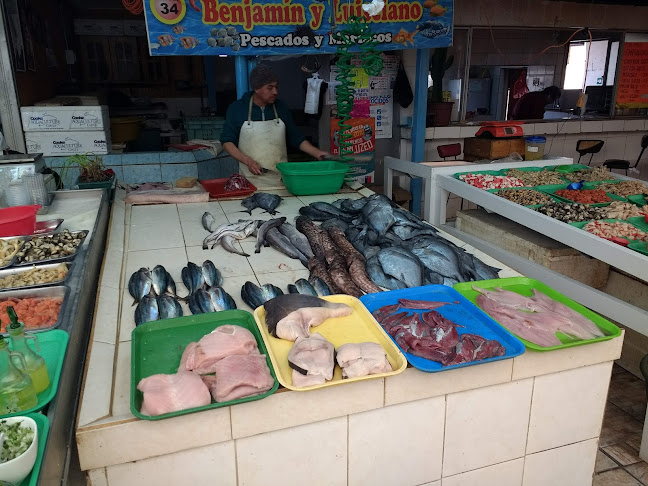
(141, 167)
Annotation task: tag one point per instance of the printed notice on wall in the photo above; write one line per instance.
(382, 110)
(633, 77)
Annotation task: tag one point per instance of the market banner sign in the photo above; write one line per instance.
(632, 89)
(263, 27)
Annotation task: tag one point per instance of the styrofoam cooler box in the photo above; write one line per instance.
(50, 118)
(68, 143)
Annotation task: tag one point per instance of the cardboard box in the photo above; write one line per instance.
(62, 118)
(491, 148)
(68, 143)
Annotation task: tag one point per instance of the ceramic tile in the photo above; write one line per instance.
(370, 462)
(603, 462)
(193, 211)
(141, 158)
(633, 147)
(537, 363)
(329, 198)
(615, 147)
(111, 270)
(209, 169)
(116, 236)
(290, 409)
(571, 465)
(528, 128)
(622, 453)
(283, 279)
(201, 155)
(195, 466)
(173, 172)
(173, 260)
(269, 260)
(97, 386)
(136, 174)
(613, 125)
(580, 396)
(118, 170)
(503, 474)
(106, 315)
(193, 231)
(447, 132)
(176, 157)
(467, 132)
(411, 384)
(321, 449)
(433, 483)
(365, 191)
(616, 477)
(97, 477)
(232, 285)
(547, 128)
(121, 386)
(143, 439)
(486, 426)
(571, 127)
(229, 264)
(127, 317)
(591, 126)
(633, 125)
(154, 214)
(639, 471)
(619, 427)
(155, 236)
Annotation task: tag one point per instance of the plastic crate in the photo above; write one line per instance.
(204, 127)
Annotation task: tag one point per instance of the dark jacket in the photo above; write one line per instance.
(237, 114)
(530, 107)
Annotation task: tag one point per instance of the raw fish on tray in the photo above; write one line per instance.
(312, 360)
(362, 359)
(238, 376)
(172, 393)
(536, 319)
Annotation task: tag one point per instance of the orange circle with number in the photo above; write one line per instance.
(169, 11)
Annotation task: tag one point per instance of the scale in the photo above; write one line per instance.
(500, 129)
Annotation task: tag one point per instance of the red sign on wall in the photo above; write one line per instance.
(633, 78)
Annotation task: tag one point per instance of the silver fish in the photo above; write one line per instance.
(254, 296)
(139, 285)
(332, 210)
(208, 222)
(263, 230)
(220, 299)
(195, 273)
(304, 287)
(169, 307)
(187, 281)
(211, 274)
(281, 243)
(239, 230)
(159, 279)
(193, 305)
(320, 287)
(297, 238)
(402, 265)
(146, 310)
(204, 301)
(227, 242)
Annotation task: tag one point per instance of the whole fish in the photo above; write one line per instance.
(239, 230)
(343, 225)
(208, 222)
(314, 214)
(438, 263)
(338, 272)
(254, 296)
(402, 265)
(332, 210)
(195, 273)
(171, 286)
(146, 310)
(211, 274)
(263, 230)
(409, 232)
(304, 287)
(485, 272)
(227, 242)
(250, 204)
(281, 243)
(353, 206)
(378, 213)
(168, 307)
(268, 202)
(204, 301)
(358, 273)
(140, 284)
(297, 238)
(292, 289)
(321, 289)
(220, 299)
(317, 267)
(340, 239)
(193, 305)
(159, 280)
(187, 281)
(312, 233)
(378, 276)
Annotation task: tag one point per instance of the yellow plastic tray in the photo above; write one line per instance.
(358, 327)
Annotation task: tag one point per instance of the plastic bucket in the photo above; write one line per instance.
(311, 178)
(534, 147)
(18, 220)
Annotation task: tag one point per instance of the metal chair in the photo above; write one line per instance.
(625, 164)
(584, 147)
(449, 150)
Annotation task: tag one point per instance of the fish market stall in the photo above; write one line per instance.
(68, 281)
(483, 419)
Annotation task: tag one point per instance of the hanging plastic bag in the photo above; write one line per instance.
(313, 94)
(402, 90)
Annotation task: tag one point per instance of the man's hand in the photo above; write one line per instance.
(322, 155)
(253, 165)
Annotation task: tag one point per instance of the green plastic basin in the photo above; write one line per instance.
(311, 178)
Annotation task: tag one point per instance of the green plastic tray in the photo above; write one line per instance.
(552, 188)
(638, 222)
(639, 246)
(568, 169)
(156, 347)
(485, 172)
(555, 198)
(639, 200)
(524, 286)
(312, 178)
(42, 426)
(53, 345)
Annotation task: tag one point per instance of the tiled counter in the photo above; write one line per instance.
(531, 420)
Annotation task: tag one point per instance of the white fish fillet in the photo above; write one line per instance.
(298, 323)
(172, 393)
(362, 359)
(313, 354)
(240, 376)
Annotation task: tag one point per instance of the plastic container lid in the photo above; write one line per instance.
(536, 139)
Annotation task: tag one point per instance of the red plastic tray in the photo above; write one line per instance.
(216, 189)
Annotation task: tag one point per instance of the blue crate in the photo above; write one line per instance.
(204, 127)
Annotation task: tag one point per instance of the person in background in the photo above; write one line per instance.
(258, 126)
(532, 105)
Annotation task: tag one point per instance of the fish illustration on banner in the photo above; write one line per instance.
(263, 27)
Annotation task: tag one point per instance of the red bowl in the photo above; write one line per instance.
(18, 220)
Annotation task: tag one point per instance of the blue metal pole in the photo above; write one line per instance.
(241, 71)
(210, 79)
(418, 124)
(252, 62)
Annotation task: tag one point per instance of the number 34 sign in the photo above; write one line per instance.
(169, 11)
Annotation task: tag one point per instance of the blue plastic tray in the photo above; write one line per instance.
(465, 314)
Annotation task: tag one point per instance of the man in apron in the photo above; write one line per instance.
(258, 126)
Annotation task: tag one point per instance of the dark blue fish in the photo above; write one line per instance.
(220, 299)
(159, 279)
(140, 284)
(212, 276)
(168, 307)
(147, 310)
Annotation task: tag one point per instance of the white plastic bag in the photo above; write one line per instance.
(312, 95)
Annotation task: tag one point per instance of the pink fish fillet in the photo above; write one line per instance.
(421, 304)
(172, 393)
(575, 317)
(506, 297)
(201, 357)
(240, 376)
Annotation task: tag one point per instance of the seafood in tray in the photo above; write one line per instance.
(572, 212)
(489, 181)
(584, 196)
(9, 247)
(617, 229)
(439, 329)
(536, 178)
(36, 276)
(57, 246)
(525, 197)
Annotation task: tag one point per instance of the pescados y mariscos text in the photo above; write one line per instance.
(292, 40)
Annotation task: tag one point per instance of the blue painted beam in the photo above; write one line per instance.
(210, 80)
(241, 71)
(418, 123)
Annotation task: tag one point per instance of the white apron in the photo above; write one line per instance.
(264, 141)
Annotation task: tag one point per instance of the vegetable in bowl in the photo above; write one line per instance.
(17, 440)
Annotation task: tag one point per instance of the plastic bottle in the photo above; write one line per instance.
(16, 388)
(34, 363)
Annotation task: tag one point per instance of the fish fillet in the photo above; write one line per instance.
(172, 393)
(313, 355)
(240, 376)
(290, 316)
(362, 359)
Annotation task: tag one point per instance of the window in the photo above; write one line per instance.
(600, 69)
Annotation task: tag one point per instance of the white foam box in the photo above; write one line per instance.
(68, 143)
(62, 118)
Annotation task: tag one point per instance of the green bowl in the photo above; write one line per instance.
(311, 178)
